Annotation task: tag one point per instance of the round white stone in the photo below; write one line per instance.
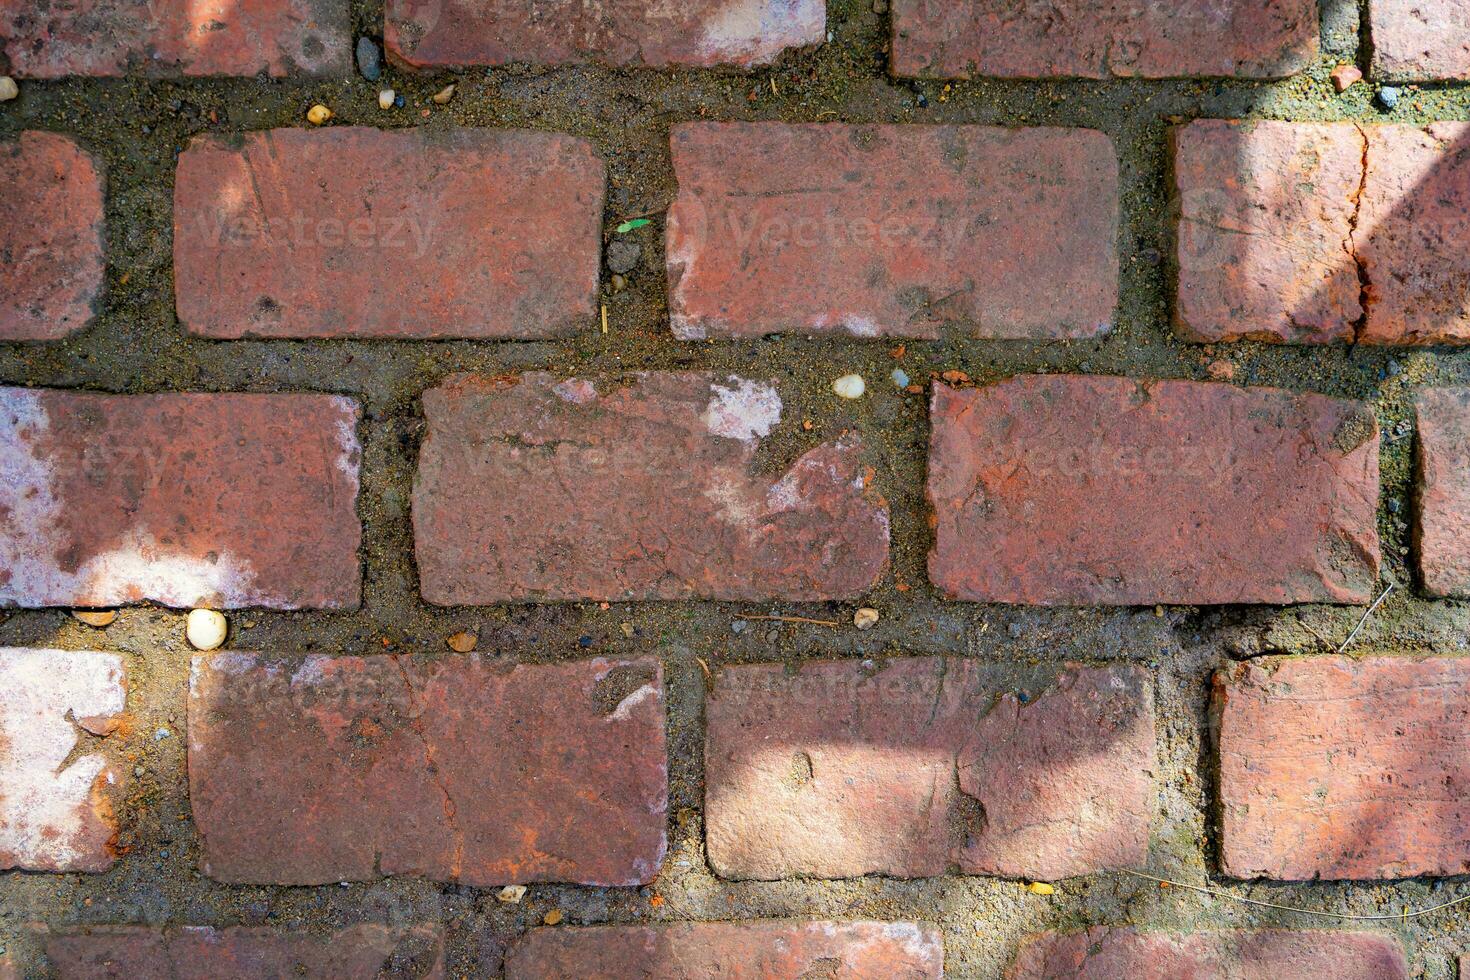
(206, 629)
(849, 386)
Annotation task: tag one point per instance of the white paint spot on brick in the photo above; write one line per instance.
(578, 391)
(746, 412)
(349, 448)
(625, 707)
(759, 30)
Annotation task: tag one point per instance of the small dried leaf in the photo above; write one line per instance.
(100, 618)
(462, 642)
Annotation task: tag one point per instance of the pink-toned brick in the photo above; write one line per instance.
(924, 767)
(220, 500)
(174, 37)
(56, 809)
(364, 952)
(1420, 40)
(1344, 769)
(1099, 38)
(328, 769)
(1070, 490)
(897, 231)
(731, 951)
(535, 489)
(50, 237)
(1443, 469)
(357, 232)
(1265, 954)
(451, 33)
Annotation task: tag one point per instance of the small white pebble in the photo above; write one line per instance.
(8, 89)
(512, 894)
(865, 618)
(849, 386)
(206, 629)
(318, 115)
(900, 378)
(386, 97)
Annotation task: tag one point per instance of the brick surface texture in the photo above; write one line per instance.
(332, 769)
(1072, 490)
(733, 951)
(174, 37)
(1443, 490)
(225, 500)
(56, 804)
(899, 231)
(613, 32)
(202, 953)
(541, 489)
(1266, 954)
(923, 767)
(50, 237)
(360, 232)
(1417, 41)
(1345, 769)
(1101, 38)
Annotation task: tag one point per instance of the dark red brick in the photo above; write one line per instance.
(440, 33)
(1419, 41)
(1099, 38)
(56, 807)
(926, 766)
(204, 953)
(357, 232)
(219, 500)
(892, 231)
(731, 951)
(1262, 954)
(174, 37)
(327, 769)
(1266, 218)
(1444, 490)
(1344, 769)
(532, 489)
(1068, 490)
(50, 237)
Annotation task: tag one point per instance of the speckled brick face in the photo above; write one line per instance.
(328, 769)
(1420, 40)
(359, 232)
(537, 489)
(892, 231)
(224, 500)
(1443, 498)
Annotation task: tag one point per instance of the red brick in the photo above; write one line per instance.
(1443, 465)
(1413, 227)
(926, 766)
(1266, 218)
(357, 232)
(439, 33)
(731, 951)
(1418, 41)
(174, 37)
(1098, 38)
(1265, 954)
(220, 500)
(1344, 769)
(352, 768)
(1066, 490)
(532, 489)
(204, 953)
(56, 810)
(50, 237)
(892, 231)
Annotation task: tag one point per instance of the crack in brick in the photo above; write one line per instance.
(451, 809)
(1365, 285)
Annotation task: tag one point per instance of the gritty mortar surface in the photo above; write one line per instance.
(136, 128)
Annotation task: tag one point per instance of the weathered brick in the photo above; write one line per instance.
(1266, 218)
(1067, 490)
(220, 500)
(204, 953)
(55, 815)
(174, 37)
(731, 951)
(440, 33)
(892, 231)
(458, 770)
(1344, 769)
(50, 237)
(358, 232)
(531, 489)
(1099, 38)
(826, 773)
(1259, 954)
(1443, 495)
(1418, 41)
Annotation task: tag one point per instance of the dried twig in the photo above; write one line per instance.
(1219, 893)
(796, 619)
(1376, 603)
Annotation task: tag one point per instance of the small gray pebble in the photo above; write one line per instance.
(622, 257)
(773, 635)
(1395, 505)
(1388, 96)
(900, 378)
(1395, 369)
(369, 61)
(738, 626)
